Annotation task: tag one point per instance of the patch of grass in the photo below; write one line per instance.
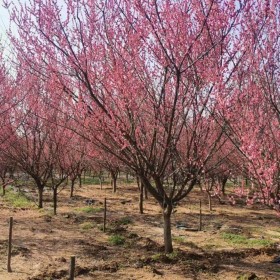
(182, 241)
(93, 181)
(124, 221)
(87, 225)
(156, 257)
(17, 199)
(116, 240)
(90, 209)
(237, 239)
(179, 239)
(174, 255)
(247, 276)
(166, 258)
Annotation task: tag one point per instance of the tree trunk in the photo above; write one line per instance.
(167, 229)
(223, 182)
(4, 190)
(138, 183)
(114, 177)
(40, 197)
(54, 200)
(209, 200)
(114, 181)
(72, 187)
(141, 194)
(146, 193)
(80, 180)
(100, 181)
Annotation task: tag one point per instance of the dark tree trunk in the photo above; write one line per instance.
(114, 176)
(167, 229)
(55, 200)
(80, 180)
(72, 187)
(146, 193)
(4, 190)
(114, 182)
(223, 184)
(40, 197)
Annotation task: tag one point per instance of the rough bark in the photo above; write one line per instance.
(167, 229)
(141, 196)
(40, 197)
(72, 187)
(114, 176)
(80, 180)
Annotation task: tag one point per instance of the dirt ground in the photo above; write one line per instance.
(43, 243)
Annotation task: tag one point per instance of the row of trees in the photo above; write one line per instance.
(180, 92)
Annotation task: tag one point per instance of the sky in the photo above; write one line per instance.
(4, 24)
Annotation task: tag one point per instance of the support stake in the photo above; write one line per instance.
(105, 214)
(72, 268)
(200, 216)
(10, 245)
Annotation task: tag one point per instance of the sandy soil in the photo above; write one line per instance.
(43, 243)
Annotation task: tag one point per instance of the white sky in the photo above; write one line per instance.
(4, 25)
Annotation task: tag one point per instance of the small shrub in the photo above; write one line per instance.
(116, 240)
(86, 225)
(173, 256)
(157, 257)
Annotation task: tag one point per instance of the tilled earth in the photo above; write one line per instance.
(43, 243)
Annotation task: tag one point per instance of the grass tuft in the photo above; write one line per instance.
(87, 225)
(116, 240)
(238, 239)
(17, 199)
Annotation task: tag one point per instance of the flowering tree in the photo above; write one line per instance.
(146, 76)
(252, 109)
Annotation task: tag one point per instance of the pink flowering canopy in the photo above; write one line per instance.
(162, 86)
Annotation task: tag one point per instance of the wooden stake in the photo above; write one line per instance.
(105, 214)
(200, 216)
(72, 268)
(10, 245)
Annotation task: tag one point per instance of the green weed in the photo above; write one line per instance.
(116, 239)
(87, 225)
(179, 239)
(237, 239)
(17, 199)
(156, 257)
